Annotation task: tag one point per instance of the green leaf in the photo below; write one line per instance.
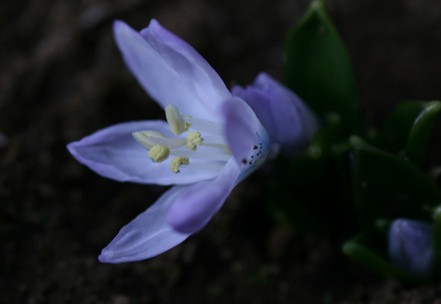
(395, 131)
(293, 197)
(369, 249)
(329, 134)
(420, 132)
(407, 130)
(385, 185)
(319, 70)
(300, 194)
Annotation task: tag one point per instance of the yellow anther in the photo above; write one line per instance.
(159, 153)
(161, 146)
(194, 139)
(177, 162)
(175, 120)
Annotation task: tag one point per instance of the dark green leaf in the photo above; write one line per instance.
(293, 197)
(408, 128)
(301, 193)
(370, 250)
(385, 185)
(420, 132)
(319, 70)
(395, 131)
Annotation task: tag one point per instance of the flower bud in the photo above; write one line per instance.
(410, 246)
(288, 121)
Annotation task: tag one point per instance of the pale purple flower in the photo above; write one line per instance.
(289, 122)
(209, 143)
(411, 247)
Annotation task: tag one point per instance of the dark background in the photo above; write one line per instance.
(61, 78)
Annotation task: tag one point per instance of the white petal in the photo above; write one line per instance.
(197, 203)
(170, 70)
(114, 153)
(147, 235)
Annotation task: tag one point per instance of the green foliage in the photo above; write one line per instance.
(389, 183)
(386, 185)
(408, 128)
(420, 132)
(348, 180)
(319, 70)
(395, 131)
(293, 195)
(369, 249)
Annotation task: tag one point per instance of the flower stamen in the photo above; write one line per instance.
(211, 154)
(150, 138)
(177, 162)
(175, 120)
(194, 139)
(159, 153)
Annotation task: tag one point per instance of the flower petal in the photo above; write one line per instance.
(247, 138)
(170, 70)
(410, 246)
(197, 203)
(113, 153)
(289, 122)
(147, 235)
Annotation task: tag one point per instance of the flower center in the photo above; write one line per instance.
(204, 142)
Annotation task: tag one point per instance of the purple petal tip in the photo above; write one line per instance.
(105, 257)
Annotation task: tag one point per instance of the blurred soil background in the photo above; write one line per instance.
(61, 78)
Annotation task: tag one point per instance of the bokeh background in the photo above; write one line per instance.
(61, 78)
